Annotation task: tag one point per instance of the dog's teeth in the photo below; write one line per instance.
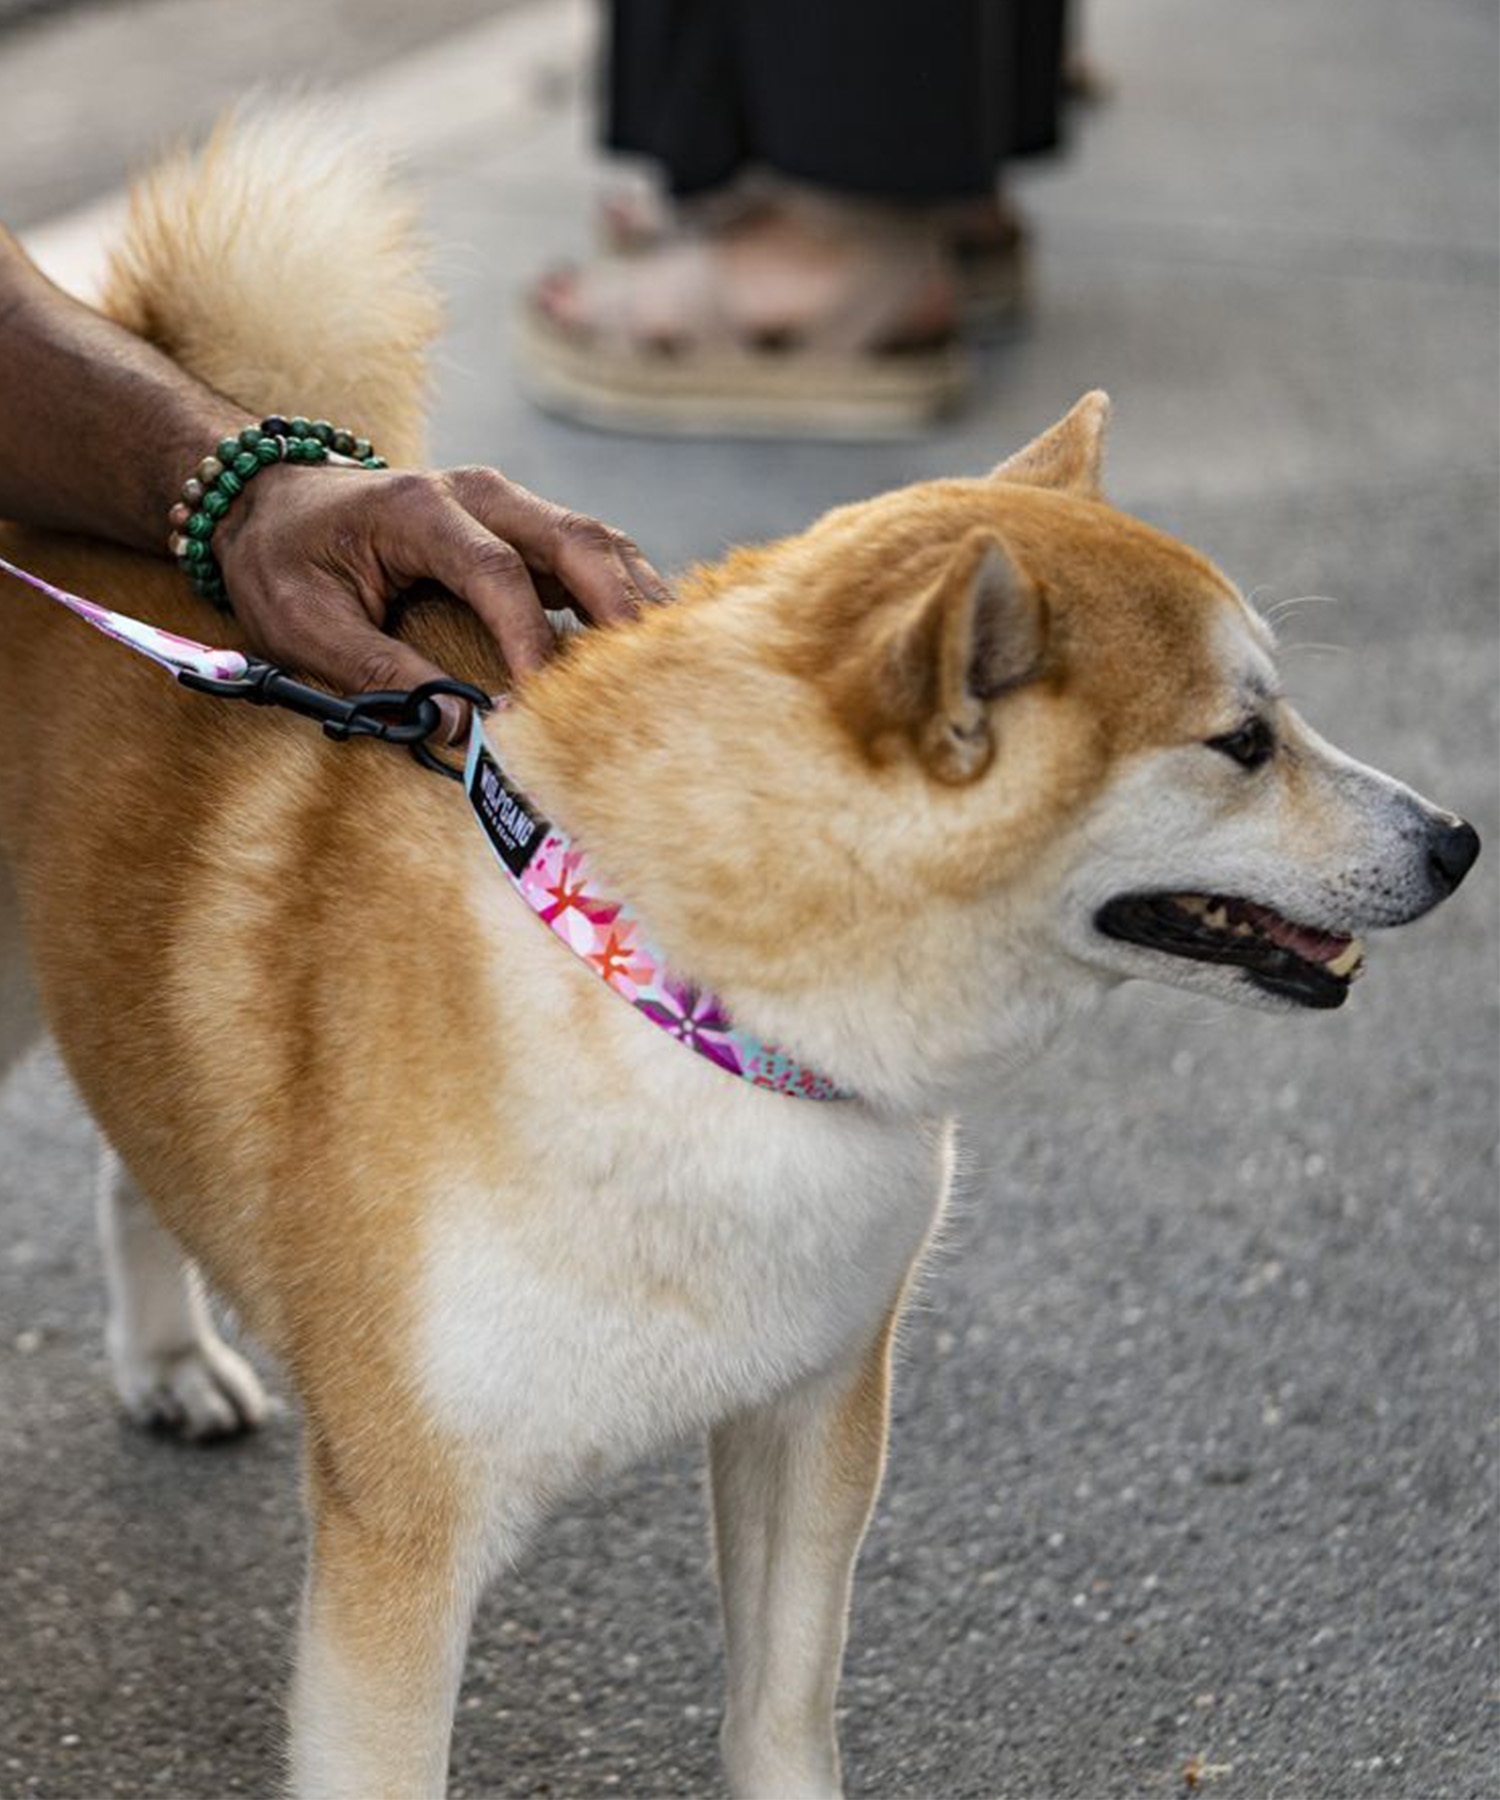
(1242, 929)
(1347, 960)
(1217, 917)
(1193, 903)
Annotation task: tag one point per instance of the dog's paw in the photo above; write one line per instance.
(202, 1392)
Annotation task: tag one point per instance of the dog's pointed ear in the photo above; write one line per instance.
(979, 631)
(1069, 456)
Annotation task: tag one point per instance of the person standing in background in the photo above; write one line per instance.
(833, 211)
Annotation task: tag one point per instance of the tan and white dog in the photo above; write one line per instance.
(908, 790)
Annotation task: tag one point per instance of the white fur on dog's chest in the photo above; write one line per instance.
(658, 1280)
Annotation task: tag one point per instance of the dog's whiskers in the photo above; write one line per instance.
(1280, 609)
(1326, 649)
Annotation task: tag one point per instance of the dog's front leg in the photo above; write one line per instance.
(385, 1623)
(793, 1484)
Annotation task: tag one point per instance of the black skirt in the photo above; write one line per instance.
(914, 100)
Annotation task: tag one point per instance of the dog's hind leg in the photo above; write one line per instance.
(793, 1484)
(171, 1368)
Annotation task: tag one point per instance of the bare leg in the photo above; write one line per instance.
(793, 1485)
(385, 1623)
(171, 1368)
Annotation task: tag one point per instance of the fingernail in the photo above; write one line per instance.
(644, 586)
(455, 718)
(652, 589)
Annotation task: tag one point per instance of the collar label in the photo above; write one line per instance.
(510, 822)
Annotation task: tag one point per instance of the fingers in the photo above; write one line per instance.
(370, 661)
(491, 575)
(366, 661)
(352, 654)
(601, 569)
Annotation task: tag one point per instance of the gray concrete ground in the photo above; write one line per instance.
(1196, 1422)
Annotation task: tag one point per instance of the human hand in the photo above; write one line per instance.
(312, 560)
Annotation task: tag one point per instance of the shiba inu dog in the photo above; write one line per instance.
(907, 792)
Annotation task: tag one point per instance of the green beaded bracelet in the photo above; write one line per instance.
(219, 480)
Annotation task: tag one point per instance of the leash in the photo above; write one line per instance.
(542, 863)
(406, 716)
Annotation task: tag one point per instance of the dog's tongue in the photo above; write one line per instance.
(1302, 940)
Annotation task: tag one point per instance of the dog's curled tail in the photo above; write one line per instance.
(281, 265)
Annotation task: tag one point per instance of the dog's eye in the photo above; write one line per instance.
(1250, 746)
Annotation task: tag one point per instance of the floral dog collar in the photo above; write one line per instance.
(552, 876)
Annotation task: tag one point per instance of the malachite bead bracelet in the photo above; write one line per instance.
(219, 480)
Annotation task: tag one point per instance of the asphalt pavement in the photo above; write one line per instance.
(1193, 1484)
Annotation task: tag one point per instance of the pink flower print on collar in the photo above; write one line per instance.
(695, 1019)
(552, 876)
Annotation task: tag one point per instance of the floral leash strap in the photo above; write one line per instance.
(552, 875)
(172, 652)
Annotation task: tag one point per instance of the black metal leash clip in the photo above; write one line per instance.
(408, 716)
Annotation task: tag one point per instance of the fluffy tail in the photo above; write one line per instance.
(281, 265)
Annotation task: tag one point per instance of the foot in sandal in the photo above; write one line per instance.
(987, 238)
(817, 318)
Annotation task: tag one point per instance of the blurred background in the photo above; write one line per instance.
(1194, 1475)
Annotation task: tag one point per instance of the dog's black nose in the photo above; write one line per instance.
(1451, 853)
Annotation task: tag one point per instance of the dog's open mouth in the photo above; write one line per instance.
(1314, 968)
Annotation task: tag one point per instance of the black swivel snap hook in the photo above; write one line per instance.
(409, 716)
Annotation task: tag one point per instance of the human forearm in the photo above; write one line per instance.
(99, 431)
(97, 428)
